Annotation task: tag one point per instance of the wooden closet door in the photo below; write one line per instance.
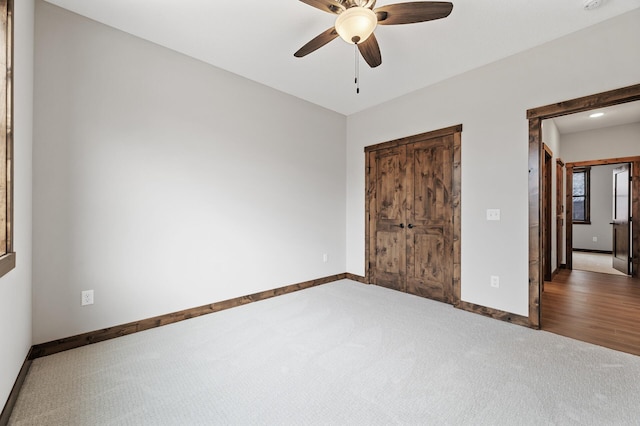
(387, 218)
(429, 215)
(411, 218)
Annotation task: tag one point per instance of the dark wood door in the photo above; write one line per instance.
(546, 213)
(387, 222)
(429, 215)
(559, 211)
(621, 209)
(411, 218)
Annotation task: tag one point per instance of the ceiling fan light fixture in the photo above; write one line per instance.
(356, 24)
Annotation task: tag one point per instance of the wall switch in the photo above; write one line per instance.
(493, 214)
(595, 239)
(495, 281)
(325, 258)
(87, 298)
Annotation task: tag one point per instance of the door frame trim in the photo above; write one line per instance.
(535, 117)
(456, 187)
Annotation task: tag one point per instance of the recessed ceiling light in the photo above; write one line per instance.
(596, 115)
(592, 4)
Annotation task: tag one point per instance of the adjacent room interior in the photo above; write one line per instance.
(411, 228)
(590, 292)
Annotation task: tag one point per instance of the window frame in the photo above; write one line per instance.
(586, 170)
(7, 255)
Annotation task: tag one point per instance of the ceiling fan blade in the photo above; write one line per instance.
(409, 13)
(371, 51)
(317, 42)
(331, 6)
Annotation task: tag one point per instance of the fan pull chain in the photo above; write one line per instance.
(357, 67)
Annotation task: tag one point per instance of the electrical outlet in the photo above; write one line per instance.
(493, 214)
(325, 258)
(87, 298)
(495, 281)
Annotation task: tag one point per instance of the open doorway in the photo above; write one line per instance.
(600, 194)
(574, 302)
(536, 117)
(598, 190)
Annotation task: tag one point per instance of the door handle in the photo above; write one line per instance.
(401, 225)
(410, 226)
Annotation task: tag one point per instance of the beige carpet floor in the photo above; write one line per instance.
(343, 353)
(594, 262)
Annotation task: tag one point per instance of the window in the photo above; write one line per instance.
(7, 256)
(581, 195)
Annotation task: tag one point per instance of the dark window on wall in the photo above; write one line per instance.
(581, 188)
(7, 256)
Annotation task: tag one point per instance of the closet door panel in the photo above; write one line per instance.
(387, 209)
(430, 218)
(426, 270)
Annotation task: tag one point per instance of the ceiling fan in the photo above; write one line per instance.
(357, 19)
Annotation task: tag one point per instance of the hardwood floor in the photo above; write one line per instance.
(593, 307)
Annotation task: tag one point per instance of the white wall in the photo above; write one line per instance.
(163, 183)
(491, 103)
(601, 202)
(608, 142)
(15, 287)
(598, 144)
(551, 137)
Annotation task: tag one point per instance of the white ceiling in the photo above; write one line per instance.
(257, 38)
(616, 115)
